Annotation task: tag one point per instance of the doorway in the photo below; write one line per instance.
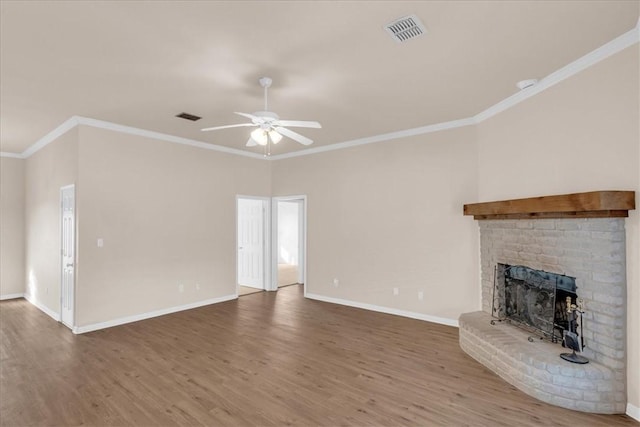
(67, 251)
(252, 244)
(289, 243)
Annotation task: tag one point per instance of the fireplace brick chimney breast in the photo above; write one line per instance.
(591, 250)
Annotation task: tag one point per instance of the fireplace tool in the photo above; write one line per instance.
(571, 339)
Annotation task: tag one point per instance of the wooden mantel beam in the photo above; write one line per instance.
(594, 204)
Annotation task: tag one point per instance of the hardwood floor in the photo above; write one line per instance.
(264, 359)
(287, 274)
(248, 290)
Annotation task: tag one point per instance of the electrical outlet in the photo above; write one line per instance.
(420, 295)
(180, 287)
(197, 286)
(336, 283)
(396, 291)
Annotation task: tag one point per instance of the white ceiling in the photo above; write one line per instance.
(139, 63)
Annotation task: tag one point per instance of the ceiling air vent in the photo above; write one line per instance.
(405, 28)
(188, 116)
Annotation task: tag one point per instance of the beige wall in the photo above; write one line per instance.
(166, 213)
(54, 166)
(390, 215)
(11, 226)
(581, 135)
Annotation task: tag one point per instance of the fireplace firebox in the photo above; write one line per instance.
(534, 299)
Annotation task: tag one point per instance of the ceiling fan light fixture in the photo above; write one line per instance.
(275, 136)
(270, 129)
(260, 136)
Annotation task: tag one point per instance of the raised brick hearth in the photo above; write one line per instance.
(591, 250)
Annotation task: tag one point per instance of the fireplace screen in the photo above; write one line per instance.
(533, 298)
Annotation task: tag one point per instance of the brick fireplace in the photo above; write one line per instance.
(582, 236)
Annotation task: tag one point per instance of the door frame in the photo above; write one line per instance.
(75, 256)
(302, 239)
(266, 243)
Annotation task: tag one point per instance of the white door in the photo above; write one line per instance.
(251, 247)
(67, 243)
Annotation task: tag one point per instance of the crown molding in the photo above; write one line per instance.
(51, 136)
(379, 138)
(11, 155)
(75, 121)
(56, 133)
(614, 46)
(163, 137)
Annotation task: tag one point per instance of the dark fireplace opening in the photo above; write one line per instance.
(534, 299)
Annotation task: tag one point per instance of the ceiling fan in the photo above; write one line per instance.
(270, 127)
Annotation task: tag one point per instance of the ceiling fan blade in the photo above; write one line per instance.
(299, 123)
(294, 135)
(228, 126)
(251, 142)
(248, 116)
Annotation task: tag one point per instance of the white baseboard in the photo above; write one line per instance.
(633, 411)
(137, 317)
(253, 286)
(10, 296)
(387, 310)
(55, 316)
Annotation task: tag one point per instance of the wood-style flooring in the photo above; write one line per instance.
(247, 290)
(267, 359)
(287, 274)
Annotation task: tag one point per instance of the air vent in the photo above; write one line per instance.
(406, 28)
(188, 116)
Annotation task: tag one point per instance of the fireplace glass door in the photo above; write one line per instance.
(534, 299)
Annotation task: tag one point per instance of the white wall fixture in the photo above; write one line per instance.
(524, 84)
